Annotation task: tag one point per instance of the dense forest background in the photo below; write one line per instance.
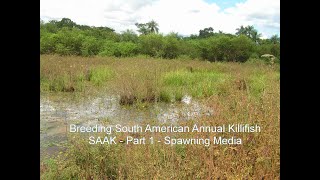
(65, 37)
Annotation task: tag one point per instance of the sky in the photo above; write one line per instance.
(184, 17)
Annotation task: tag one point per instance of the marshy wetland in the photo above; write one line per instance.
(140, 90)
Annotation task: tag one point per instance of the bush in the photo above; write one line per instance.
(125, 49)
(47, 44)
(242, 48)
(273, 49)
(254, 55)
(69, 42)
(120, 49)
(215, 48)
(171, 47)
(109, 48)
(190, 48)
(129, 36)
(62, 49)
(152, 45)
(65, 37)
(91, 46)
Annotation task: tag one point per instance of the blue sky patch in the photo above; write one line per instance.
(223, 4)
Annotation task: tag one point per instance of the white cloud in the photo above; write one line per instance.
(183, 16)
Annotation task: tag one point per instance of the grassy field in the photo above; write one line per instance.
(238, 93)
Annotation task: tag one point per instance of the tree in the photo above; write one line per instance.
(91, 46)
(153, 26)
(142, 28)
(206, 32)
(66, 22)
(242, 48)
(129, 35)
(275, 39)
(250, 32)
(147, 28)
(152, 44)
(171, 46)
(242, 30)
(255, 36)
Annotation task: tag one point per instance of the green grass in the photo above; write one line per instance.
(257, 84)
(98, 76)
(197, 84)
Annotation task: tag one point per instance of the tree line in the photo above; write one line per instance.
(65, 37)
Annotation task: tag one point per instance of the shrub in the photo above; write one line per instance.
(125, 49)
(171, 47)
(152, 45)
(47, 43)
(62, 49)
(91, 46)
(190, 48)
(129, 36)
(70, 42)
(109, 48)
(242, 48)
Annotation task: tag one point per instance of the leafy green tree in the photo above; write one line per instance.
(69, 42)
(275, 39)
(119, 49)
(190, 48)
(241, 31)
(142, 28)
(129, 36)
(209, 49)
(250, 32)
(147, 28)
(171, 46)
(269, 48)
(51, 26)
(66, 22)
(108, 48)
(125, 49)
(65, 37)
(193, 36)
(255, 36)
(152, 45)
(91, 46)
(47, 43)
(242, 48)
(224, 48)
(100, 33)
(206, 32)
(62, 49)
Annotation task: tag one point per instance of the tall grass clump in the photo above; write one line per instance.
(257, 84)
(100, 75)
(198, 83)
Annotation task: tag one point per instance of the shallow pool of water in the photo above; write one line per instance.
(55, 116)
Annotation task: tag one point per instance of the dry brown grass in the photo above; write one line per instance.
(258, 103)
